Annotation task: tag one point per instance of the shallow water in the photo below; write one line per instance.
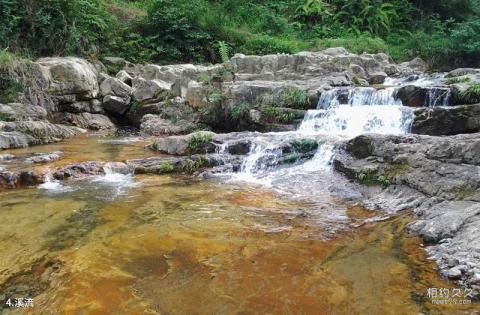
(86, 147)
(178, 245)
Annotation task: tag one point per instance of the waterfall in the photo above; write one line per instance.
(438, 97)
(359, 96)
(341, 113)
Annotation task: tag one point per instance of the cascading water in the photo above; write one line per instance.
(341, 113)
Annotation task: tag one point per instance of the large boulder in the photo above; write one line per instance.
(149, 90)
(19, 111)
(447, 120)
(85, 120)
(155, 125)
(70, 76)
(116, 104)
(93, 106)
(418, 96)
(24, 133)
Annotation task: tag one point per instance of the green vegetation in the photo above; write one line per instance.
(369, 178)
(165, 168)
(461, 79)
(295, 98)
(193, 165)
(445, 32)
(198, 141)
(240, 111)
(274, 114)
(305, 145)
(472, 94)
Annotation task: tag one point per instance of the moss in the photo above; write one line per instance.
(463, 191)
(397, 170)
(199, 140)
(295, 98)
(240, 111)
(291, 158)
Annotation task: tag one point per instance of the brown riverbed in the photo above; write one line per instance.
(181, 245)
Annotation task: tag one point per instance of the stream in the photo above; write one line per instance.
(265, 239)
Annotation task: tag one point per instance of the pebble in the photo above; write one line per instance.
(454, 273)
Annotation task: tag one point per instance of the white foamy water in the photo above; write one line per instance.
(351, 121)
(53, 185)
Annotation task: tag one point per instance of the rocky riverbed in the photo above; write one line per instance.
(310, 127)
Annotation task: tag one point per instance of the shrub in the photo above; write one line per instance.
(295, 98)
(368, 177)
(454, 80)
(472, 94)
(240, 111)
(199, 140)
(264, 44)
(191, 166)
(354, 43)
(276, 115)
(166, 168)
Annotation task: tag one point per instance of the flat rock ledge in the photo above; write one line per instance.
(436, 177)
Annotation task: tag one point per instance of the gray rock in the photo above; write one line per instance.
(454, 273)
(144, 90)
(70, 75)
(154, 125)
(93, 106)
(115, 104)
(125, 77)
(377, 77)
(44, 157)
(447, 120)
(24, 133)
(85, 121)
(18, 111)
(115, 87)
(461, 72)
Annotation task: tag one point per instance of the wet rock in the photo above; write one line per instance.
(80, 170)
(377, 77)
(360, 147)
(44, 157)
(438, 178)
(461, 72)
(6, 157)
(18, 179)
(199, 142)
(117, 167)
(447, 120)
(163, 165)
(454, 273)
(85, 121)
